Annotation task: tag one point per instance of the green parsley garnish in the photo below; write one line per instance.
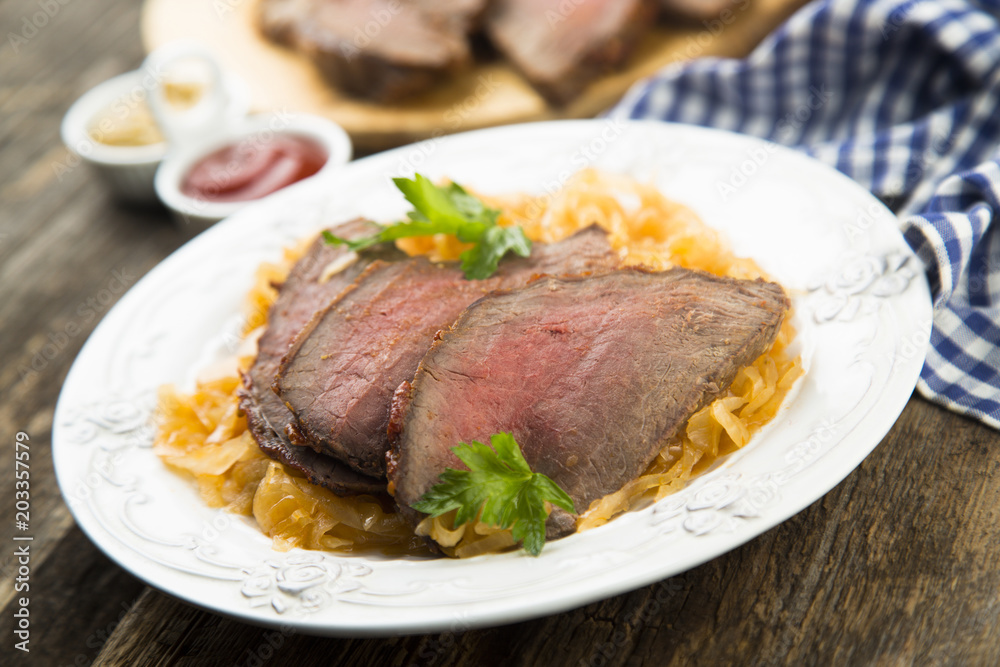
(500, 482)
(450, 210)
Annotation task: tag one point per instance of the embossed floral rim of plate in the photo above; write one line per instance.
(862, 308)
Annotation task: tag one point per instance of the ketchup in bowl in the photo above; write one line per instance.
(253, 167)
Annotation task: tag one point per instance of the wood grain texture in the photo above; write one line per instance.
(895, 566)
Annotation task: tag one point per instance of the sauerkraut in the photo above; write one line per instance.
(203, 433)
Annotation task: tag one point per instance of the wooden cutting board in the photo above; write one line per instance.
(491, 93)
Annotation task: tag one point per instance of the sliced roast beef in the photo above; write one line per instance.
(562, 46)
(382, 50)
(340, 374)
(316, 279)
(319, 469)
(591, 375)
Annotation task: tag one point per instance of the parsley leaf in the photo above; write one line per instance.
(481, 260)
(500, 482)
(451, 210)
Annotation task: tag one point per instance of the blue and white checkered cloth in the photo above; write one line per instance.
(903, 97)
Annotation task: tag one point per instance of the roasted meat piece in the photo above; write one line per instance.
(591, 375)
(340, 374)
(312, 283)
(561, 46)
(383, 50)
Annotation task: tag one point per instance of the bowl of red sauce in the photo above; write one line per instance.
(262, 154)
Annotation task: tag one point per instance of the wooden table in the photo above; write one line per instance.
(897, 565)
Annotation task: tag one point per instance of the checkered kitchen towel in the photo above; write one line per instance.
(903, 97)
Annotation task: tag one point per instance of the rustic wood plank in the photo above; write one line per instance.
(60, 239)
(897, 565)
(77, 598)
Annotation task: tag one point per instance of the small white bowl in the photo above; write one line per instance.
(201, 213)
(129, 170)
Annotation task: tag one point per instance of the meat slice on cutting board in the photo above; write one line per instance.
(592, 375)
(560, 46)
(340, 374)
(383, 50)
(312, 283)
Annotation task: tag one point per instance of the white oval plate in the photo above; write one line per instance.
(862, 307)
